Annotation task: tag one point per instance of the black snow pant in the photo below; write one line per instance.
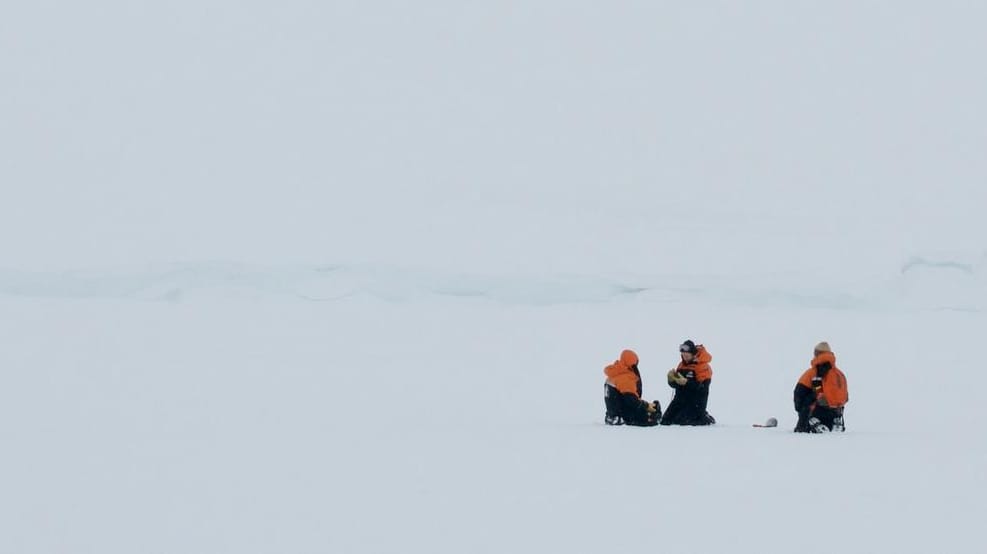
(629, 408)
(810, 420)
(688, 406)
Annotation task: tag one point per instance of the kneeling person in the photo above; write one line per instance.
(821, 394)
(622, 394)
(691, 380)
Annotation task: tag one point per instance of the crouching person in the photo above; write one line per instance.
(821, 394)
(622, 394)
(691, 381)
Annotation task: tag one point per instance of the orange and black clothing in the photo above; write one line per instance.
(622, 393)
(820, 395)
(688, 406)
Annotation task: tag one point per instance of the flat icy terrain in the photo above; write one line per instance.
(342, 277)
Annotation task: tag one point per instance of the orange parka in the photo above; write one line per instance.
(829, 384)
(623, 374)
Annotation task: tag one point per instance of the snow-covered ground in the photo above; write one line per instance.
(216, 415)
(342, 277)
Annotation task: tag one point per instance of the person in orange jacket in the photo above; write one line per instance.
(691, 380)
(622, 394)
(820, 394)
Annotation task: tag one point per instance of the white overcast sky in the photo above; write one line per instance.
(515, 136)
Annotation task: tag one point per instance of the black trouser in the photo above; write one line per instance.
(830, 417)
(688, 407)
(629, 407)
(612, 399)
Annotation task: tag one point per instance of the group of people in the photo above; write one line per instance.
(820, 394)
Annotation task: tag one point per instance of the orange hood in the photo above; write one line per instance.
(620, 375)
(702, 355)
(627, 359)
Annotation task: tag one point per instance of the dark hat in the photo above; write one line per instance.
(688, 346)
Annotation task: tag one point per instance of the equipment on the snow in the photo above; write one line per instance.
(771, 422)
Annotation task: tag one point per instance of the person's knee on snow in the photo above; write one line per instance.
(611, 397)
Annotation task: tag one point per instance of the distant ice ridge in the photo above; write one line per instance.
(325, 283)
(945, 282)
(922, 282)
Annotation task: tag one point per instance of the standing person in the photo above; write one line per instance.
(821, 394)
(691, 380)
(622, 394)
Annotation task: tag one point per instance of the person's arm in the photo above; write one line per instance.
(804, 397)
(676, 380)
(694, 385)
(841, 393)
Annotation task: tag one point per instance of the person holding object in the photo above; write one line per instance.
(820, 394)
(691, 380)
